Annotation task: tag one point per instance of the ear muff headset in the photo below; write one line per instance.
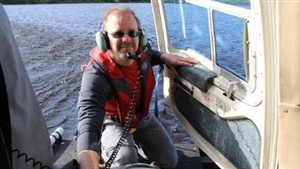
(102, 40)
(143, 39)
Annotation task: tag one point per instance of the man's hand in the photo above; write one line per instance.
(88, 159)
(173, 60)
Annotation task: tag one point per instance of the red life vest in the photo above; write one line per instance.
(120, 103)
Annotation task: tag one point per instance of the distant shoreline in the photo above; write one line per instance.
(16, 2)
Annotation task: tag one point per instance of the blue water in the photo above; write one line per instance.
(78, 19)
(54, 41)
(189, 28)
(85, 19)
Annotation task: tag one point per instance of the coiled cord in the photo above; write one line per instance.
(125, 129)
(28, 159)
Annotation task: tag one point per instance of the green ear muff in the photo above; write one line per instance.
(143, 39)
(101, 41)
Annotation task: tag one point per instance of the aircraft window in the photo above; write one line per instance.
(217, 31)
(228, 32)
(193, 23)
(239, 3)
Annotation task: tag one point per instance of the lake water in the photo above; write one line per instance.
(77, 19)
(54, 41)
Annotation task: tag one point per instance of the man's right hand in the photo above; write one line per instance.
(88, 159)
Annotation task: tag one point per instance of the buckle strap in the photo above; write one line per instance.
(132, 130)
(112, 118)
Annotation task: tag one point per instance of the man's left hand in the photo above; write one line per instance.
(173, 60)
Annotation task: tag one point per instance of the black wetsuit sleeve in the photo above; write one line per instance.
(95, 91)
(155, 57)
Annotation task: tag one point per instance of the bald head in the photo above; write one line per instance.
(117, 12)
(121, 30)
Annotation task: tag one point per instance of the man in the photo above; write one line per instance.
(24, 138)
(116, 82)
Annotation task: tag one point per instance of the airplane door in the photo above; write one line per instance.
(220, 101)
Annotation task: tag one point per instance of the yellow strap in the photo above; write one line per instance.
(101, 166)
(132, 130)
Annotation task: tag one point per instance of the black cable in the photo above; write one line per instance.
(125, 129)
(28, 159)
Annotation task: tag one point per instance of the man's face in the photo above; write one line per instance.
(122, 30)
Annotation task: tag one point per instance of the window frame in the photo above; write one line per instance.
(245, 91)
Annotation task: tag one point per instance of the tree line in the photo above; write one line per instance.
(104, 1)
(64, 1)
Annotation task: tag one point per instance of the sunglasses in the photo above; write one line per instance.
(131, 34)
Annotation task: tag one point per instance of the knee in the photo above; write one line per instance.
(125, 156)
(173, 161)
(170, 162)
